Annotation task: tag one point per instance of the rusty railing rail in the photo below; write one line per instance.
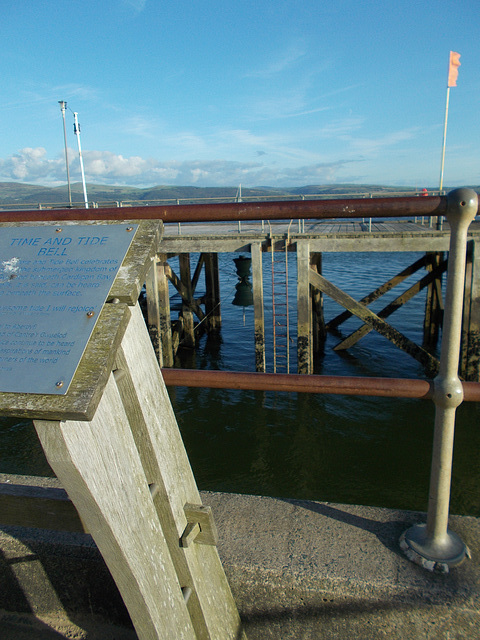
(299, 383)
(428, 206)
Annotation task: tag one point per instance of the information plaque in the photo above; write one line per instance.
(53, 284)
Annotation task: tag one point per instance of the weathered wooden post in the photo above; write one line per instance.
(318, 322)
(187, 313)
(153, 311)
(165, 325)
(212, 293)
(470, 355)
(304, 308)
(433, 302)
(77, 359)
(258, 309)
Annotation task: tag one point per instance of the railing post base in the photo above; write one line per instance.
(430, 554)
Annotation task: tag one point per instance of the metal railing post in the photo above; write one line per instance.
(433, 545)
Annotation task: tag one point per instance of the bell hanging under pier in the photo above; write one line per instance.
(242, 265)
(243, 289)
(243, 294)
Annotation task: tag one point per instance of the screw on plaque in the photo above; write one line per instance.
(90, 314)
(59, 384)
(129, 228)
(58, 230)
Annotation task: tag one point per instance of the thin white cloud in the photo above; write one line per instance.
(36, 95)
(372, 146)
(341, 128)
(137, 5)
(305, 113)
(138, 126)
(288, 105)
(283, 61)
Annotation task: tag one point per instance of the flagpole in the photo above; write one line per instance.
(444, 140)
(453, 64)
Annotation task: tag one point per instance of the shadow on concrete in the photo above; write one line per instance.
(330, 609)
(14, 623)
(388, 533)
(366, 620)
(14, 627)
(42, 577)
(411, 582)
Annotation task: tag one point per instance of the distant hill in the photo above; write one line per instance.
(17, 193)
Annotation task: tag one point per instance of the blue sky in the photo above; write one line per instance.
(252, 92)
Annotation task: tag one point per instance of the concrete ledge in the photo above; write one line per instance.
(297, 569)
(302, 569)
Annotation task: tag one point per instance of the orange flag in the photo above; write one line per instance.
(453, 69)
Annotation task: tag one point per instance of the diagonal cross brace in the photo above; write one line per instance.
(182, 290)
(393, 306)
(375, 322)
(382, 290)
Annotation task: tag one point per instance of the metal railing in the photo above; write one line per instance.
(99, 204)
(381, 207)
(432, 545)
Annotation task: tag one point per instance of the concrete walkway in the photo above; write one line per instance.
(298, 570)
(317, 570)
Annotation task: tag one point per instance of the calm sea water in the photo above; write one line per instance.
(373, 451)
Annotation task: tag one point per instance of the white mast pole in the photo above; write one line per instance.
(63, 106)
(76, 130)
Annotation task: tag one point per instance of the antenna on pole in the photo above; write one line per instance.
(63, 106)
(76, 131)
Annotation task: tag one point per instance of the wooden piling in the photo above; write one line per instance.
(188, 339)
(212, 293)
(470, 350)
(165, 337)
(153, 309)
(304, 308)
(259, 320)
(318, 322)
(433, 302)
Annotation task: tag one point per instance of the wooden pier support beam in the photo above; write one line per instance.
(434, 302)
(379, 291)
(258, 312)
(470, 350)
(304, 308)
(153, 309)
(212, 293)
(375, 322)
(187, 313)
(433, 275)
(165, 328)
(318, 322)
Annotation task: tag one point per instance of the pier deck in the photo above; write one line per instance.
(323, 236)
